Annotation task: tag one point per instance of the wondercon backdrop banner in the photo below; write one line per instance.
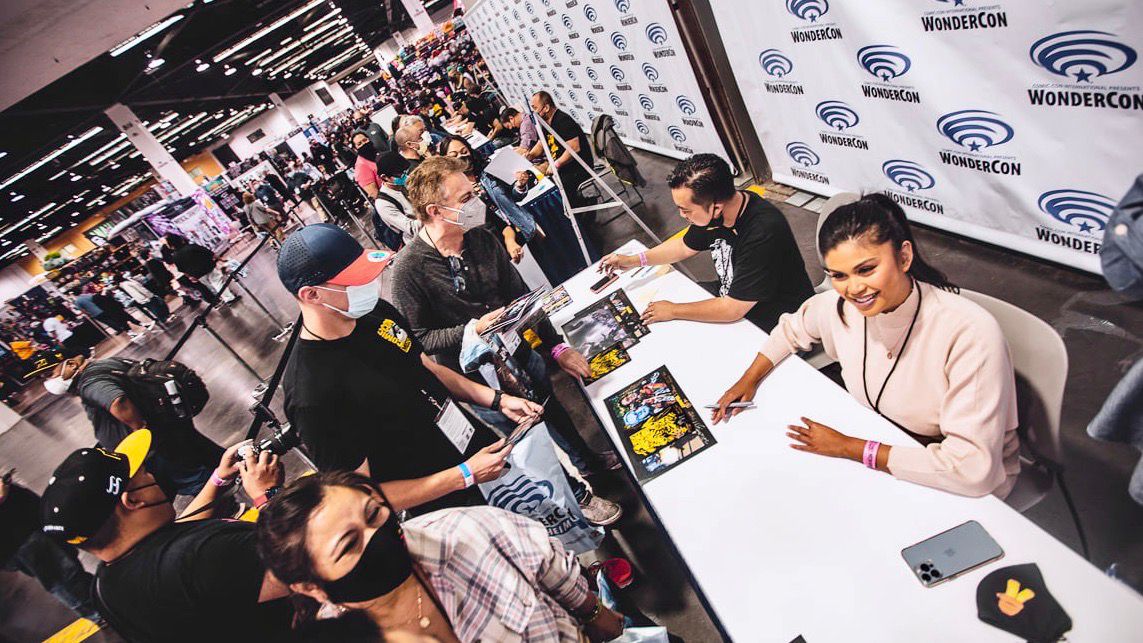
(618, 57)
(1018, 122)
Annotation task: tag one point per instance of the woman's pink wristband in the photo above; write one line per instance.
(642, 259)
(219, 482)
(869, 456)
(559, 349)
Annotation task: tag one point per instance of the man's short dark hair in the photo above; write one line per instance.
(707, 176)
(507, 113)
(545, 98)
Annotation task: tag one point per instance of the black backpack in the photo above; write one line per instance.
(165, 391)
(389, 237)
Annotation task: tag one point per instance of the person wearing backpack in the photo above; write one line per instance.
(198, 263)
(182, 459)
(393, 210)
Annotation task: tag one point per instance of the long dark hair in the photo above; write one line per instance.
(476, 164)
(878, 219)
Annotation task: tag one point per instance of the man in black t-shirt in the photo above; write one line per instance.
(760, 269)
(363, 394)
(182, 458)
(571, 173)
(161, 580)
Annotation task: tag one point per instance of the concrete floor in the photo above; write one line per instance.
(1103, 334)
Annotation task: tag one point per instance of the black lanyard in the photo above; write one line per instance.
(865, 354)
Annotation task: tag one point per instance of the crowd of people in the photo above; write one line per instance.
(393, 536)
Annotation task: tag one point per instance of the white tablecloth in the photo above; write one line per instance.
(784, 543)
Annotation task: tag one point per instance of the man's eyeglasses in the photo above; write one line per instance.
(456, 269)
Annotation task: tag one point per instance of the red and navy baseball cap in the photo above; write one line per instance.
(324, 253)
(82, 493)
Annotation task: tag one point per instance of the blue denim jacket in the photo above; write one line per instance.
(507, 208)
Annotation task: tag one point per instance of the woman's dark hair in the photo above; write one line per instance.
(476, 163)
(176, 240)
(878, 219)
(281, 530)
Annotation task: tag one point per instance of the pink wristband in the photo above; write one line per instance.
(869, 456)
(559, 349)
(642, 258)
(219, 482)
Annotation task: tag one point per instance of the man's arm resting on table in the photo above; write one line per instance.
(671, 251)
(716, 309)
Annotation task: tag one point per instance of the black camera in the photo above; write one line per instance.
(279, 442)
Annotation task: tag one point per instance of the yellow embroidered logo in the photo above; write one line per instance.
(1011, 602)
(394, 334)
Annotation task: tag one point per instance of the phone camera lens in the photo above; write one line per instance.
(935, 573)
(925, 577)
(925, 567)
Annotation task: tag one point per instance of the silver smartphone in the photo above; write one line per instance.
(951, 553)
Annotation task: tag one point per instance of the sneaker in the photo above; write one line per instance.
(600, 512)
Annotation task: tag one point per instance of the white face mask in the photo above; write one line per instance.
(362, 299)
(57, 385)
(469, 216)
(426, 138)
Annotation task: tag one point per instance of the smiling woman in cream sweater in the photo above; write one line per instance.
(911, 348)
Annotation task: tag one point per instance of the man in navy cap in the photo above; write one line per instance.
(162, 580)
(363, 394)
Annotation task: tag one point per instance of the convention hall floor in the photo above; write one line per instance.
(1103, 333)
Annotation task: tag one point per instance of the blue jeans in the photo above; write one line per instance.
(58, 569)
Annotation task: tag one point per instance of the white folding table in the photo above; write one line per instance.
(783, 543)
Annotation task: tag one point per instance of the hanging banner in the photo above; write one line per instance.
(1011, 121)
(599, 57)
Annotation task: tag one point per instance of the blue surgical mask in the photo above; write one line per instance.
(400, 180)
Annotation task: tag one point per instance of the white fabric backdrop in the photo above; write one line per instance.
(618, 57)
(1017, 122)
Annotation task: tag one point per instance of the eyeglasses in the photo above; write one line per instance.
(456, 269)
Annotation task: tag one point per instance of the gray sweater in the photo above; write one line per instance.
(423, 290)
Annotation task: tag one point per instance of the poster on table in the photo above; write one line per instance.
(1016, 122)
(623, 58)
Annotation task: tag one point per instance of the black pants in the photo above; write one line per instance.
(58, 569)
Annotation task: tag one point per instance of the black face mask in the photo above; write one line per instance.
(383, 566)
(368, 152)
(164, 501)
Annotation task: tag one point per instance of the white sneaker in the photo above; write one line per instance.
(600, 512)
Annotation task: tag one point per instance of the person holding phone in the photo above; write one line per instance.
(913, 350)
(760, 269)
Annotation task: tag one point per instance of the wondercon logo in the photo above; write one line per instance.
(1082, 55)
(532, 31)
(974, 129)
(808, 9)
(650, 72)
(884, 61)
(548, 29)
(837, 114)
(592, 74)
(685, 105)
(1085, 211)
(802, 154)
(908, 175)
(623, 5)
(677, 134)
(617, 73)
(591, 97)
(642, 127)
(516, 14)
(589, 13)
(571, 75)
(591, 46)
(567, 22)
(529, 8)
(573, 95)
(646, 103)
(615, 100)
(551, 53)
(775, 63)
(569, 51)
(656, 33)
(619, 40)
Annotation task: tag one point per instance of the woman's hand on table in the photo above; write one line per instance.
(742, 391)
(659, 311)
(818, 438)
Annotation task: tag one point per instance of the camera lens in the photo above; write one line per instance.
(936, 573)
(925, 577)
(925, 567)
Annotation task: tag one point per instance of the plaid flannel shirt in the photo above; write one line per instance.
(499, 576)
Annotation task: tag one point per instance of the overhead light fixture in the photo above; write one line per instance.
(202, 67)
(3, 154)
(305, 39)
(263, 32)
(47, 159)
(17, 198)
(57, 175)
(131, 42)
(322, 19)
(76, 177)
(230, 71)
(257, 71)
(155, 63)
